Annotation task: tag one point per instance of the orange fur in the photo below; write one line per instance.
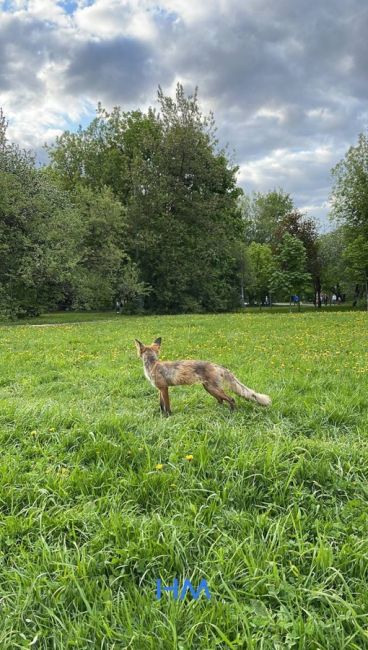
(213, 377)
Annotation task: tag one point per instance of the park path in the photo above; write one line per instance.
(74, 322)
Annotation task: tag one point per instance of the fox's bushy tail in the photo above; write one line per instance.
(248, 393)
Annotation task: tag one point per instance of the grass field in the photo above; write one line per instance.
(98, 499)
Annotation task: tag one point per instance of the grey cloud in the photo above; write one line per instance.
(306, 60)
(116, 70)
(26, 45)
(20, 44)
(286, 51)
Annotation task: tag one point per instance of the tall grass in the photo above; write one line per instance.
(271, 510)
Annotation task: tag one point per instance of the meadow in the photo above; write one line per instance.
(100, 495)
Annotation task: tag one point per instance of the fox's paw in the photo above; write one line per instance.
(165, 413)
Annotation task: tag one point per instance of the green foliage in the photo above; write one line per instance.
(101, 248)
(107, 152)
(58, 246)
(260, 267)
(356, 257)
(145, 207)
(263, 213)
(130, 288)
(179, 193)
(350, 190)
(304, 228)
(331, 247)
(350, 208)
(291, 276)
(36, 248)
(266, 219)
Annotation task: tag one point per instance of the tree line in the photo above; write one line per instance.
(144, 207)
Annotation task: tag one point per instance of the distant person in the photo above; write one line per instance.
(334, 298)
(118, 306)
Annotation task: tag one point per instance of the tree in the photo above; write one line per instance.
(291, 277)
(260, 269)
(240, 251)
(304, 228)
(350, 207)
(129, 287)
(356, 257)
(107, 152)
(58, 248)
(101, 250)
(350, 191)
(35, 249)
(331, 247)
(262, 214)
(179, 192)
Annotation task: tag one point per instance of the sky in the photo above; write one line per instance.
(287, 80)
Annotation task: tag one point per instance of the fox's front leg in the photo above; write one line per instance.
(164, 401)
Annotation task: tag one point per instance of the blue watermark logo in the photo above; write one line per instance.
(180, 594)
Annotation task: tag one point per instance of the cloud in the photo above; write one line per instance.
(116, 70)
(304, 173)
(112, 18)
(287, 80)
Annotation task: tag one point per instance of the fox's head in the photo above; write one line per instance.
(154, 347)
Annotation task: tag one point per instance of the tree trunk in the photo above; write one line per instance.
(317, 285)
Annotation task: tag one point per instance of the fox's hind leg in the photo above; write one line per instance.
(165, 401)
(211, 392)
(220, 395)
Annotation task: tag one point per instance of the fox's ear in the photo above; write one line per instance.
(139, 346)
(158, 341)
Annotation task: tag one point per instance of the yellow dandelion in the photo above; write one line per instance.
(33, 433)
(189, 457)
(52, 430)
(159, 466)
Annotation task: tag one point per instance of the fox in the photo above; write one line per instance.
(162, 374)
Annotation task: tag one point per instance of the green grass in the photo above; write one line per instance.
(63, 317)
(271, 511)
